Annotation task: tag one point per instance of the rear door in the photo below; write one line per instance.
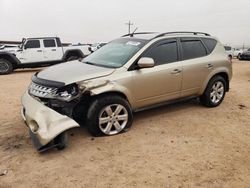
(196, 64)
(161, 82)
(52, 52)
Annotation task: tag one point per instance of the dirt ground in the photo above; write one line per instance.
(179, 145)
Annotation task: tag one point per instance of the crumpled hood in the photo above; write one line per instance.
(73, 71)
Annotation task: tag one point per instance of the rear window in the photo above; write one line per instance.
(210, 43)
(192, 49)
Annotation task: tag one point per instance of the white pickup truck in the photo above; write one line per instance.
(38, 52)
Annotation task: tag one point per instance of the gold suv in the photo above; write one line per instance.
(131, 73)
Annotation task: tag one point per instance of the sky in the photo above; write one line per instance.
(89, 21)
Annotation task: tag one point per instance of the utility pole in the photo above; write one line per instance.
(129, 25)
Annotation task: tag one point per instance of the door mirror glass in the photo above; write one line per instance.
(146, 62)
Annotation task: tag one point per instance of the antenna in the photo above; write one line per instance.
(132, 34)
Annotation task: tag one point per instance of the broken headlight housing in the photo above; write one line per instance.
(67, 93)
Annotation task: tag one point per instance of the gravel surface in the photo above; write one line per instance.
(178, 145)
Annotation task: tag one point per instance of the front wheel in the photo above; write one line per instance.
(6, 67)
(214, 93)
(109, 115)
(61, 141)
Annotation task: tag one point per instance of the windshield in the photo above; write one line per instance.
(116, 53)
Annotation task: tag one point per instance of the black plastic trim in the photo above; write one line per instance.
(48, 83)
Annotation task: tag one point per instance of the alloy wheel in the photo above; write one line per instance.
(113, 119)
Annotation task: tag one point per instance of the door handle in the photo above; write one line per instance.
(176, 71)
(53, 50)
(39, 51)
(209, 66)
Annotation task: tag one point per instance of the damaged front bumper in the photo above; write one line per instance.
(44, 123)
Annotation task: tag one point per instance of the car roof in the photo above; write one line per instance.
(154, 35)
(42, 38)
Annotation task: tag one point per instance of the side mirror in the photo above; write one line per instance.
(146, 62)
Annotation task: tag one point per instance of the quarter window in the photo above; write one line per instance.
(192, 49)
(48, 43)
(210, 43)
(32, 44)
(163, 53)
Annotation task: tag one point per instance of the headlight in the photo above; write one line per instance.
(67, 93)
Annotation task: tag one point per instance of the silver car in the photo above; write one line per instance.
(134, 72)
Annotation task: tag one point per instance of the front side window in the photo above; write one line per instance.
(163, 52)
(116, 53)
(192, 49)
(49, 43)
(32, 44)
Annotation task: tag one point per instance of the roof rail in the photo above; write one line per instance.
(182, 32)
(139, 33)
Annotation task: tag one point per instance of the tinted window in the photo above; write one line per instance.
(210, 43)
(165, 52)
(227, 48)
(49, 43)
(59, 44)
(192, 49)
(32, 44)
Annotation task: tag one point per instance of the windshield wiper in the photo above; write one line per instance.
(98, 65)
(90, 63)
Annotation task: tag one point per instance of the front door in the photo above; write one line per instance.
(32, 52)
(161, 82)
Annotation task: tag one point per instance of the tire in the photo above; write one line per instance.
(61, 141)
(238, 56)
(214, 93)
(115, 112)
(6, 66)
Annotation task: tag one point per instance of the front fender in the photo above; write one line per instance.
(112, 87)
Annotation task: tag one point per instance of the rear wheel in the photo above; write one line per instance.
(6, 67)
(109, 115)
(214, 93)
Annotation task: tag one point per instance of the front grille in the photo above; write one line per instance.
(41, 91)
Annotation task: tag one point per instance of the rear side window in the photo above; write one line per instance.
(48, 43)
(210, 43)
(192, 49)
(163, 53)
(32, 44)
